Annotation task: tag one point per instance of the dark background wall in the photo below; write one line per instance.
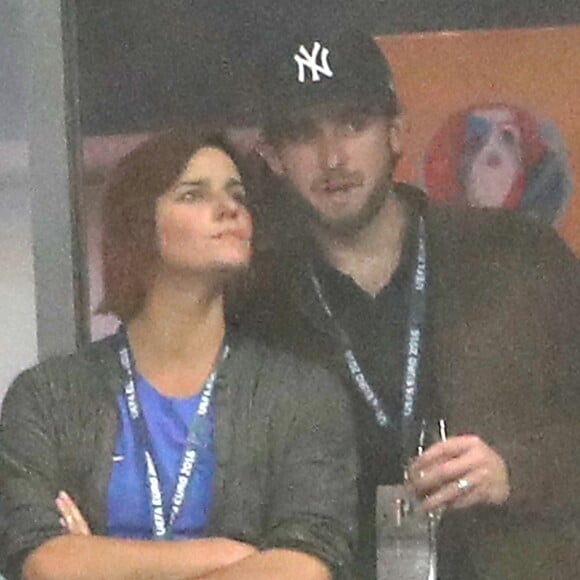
(143, 62)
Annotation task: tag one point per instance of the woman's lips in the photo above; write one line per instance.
(240, 235)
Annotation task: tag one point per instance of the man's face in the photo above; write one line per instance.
(340, 165)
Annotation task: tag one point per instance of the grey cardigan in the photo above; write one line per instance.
(285, 461)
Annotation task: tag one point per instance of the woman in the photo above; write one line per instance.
(179, 427)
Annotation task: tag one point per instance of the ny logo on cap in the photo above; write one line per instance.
(311, 60)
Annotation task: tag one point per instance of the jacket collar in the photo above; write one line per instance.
(105, 354)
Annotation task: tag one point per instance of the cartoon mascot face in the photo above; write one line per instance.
(492, 166)
(498, 155)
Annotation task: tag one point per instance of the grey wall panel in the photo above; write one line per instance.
(53, 144)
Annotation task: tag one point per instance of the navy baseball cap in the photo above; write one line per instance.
(312, 71)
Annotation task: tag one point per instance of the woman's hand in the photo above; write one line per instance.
(71, 518)
(460, 472)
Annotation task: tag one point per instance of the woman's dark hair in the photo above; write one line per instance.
(129, 236)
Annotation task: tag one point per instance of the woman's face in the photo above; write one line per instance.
(202, 223)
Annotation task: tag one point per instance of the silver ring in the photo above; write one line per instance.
(462, 485)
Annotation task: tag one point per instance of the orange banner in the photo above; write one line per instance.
(463, 92)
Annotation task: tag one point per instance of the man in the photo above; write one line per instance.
(427, 312)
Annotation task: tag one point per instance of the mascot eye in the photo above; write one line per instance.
(508, 137)
(477, 133)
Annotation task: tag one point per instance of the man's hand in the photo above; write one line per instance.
(71, 518)
(460, 472)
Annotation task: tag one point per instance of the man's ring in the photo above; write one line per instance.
(462, 485)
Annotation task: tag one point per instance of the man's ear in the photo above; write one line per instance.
(268, 153)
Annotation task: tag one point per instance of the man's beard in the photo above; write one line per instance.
(346, 226)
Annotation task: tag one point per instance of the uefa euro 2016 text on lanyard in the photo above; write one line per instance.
(416, 324)
(197, 435)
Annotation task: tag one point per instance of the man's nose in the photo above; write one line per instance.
(331, 149)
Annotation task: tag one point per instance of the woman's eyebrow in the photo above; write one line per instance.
(195, 182)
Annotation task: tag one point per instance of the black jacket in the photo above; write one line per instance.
(502, 361)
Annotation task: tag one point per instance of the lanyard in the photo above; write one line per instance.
(416, 323)
(196, 438)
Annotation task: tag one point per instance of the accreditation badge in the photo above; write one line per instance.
(402, 533)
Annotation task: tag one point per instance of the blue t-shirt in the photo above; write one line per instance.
(128, 503)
